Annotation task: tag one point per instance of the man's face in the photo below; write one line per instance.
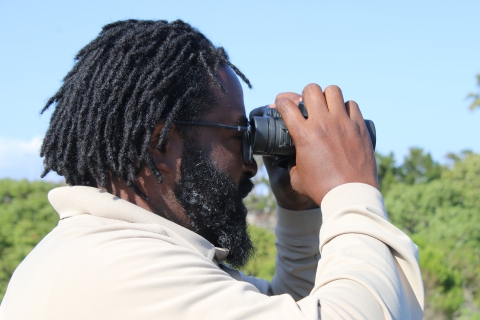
(214, 178)
(213, 204)
(224, 146)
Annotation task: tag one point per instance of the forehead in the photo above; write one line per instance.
(229, 108)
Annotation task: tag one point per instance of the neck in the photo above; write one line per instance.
(162, 202)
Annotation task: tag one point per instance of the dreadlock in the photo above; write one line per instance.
(123, 83)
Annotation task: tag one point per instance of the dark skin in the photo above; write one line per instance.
(332, 146)
(334, 136)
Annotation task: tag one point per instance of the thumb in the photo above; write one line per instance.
(295, 180)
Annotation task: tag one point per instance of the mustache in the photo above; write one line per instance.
(245, 187)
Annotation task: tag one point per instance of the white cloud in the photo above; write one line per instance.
(20, 159)
(13, 150)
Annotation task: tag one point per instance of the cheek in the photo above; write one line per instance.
(228, 161)
(224, 151)
(176, 174)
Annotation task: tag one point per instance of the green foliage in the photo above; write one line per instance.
(262, 265)
(25, 218)
(443, 217)
(386, 170)
(443, 284)
(260, 203)
(418, 167)
(438, 206)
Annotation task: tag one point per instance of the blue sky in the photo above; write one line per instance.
(408, 64)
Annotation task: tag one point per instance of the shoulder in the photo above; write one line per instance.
(93, 265)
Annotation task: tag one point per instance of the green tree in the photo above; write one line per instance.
(25, 218)
(456, 157)
(475, 96)
(419, 167)
(443, 218)
(386, 170)
(262, 265)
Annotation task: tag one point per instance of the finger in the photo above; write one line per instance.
(295, 97)
(292, 117)
(294, 181)
(314, 100)
(257, 112)
(335, 102)
(357, 117)
(353, 111)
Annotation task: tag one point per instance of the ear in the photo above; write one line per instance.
(166, 158)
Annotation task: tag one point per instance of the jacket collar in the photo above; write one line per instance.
(78, 200)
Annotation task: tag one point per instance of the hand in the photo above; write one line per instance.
(332, 146)
(279, 177)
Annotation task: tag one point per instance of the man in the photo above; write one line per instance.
(155, 203)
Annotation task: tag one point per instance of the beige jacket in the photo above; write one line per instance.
(109, 259)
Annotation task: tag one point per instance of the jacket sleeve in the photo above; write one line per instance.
(365, 259)
(368, 269)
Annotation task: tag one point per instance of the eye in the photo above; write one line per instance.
(238, 139)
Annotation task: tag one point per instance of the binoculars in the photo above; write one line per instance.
(269, 136)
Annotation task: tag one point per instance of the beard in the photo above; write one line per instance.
(213, 204)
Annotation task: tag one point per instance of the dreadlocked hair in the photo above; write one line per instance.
(123, 83)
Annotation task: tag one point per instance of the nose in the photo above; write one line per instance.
(250, 168)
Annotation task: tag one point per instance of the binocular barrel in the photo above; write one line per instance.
(270, 136)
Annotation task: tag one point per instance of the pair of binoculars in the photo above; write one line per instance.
(269, 136)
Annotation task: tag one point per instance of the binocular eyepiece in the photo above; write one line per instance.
(270, 136)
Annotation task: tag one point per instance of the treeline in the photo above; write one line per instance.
(26, 217)
(437, 205)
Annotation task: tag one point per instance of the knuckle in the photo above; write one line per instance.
(279, 97)
(352, 104)
(296, 184)
(282, 104)
(333, 89)
(312, 87)
(293, 177)
(287, 95)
